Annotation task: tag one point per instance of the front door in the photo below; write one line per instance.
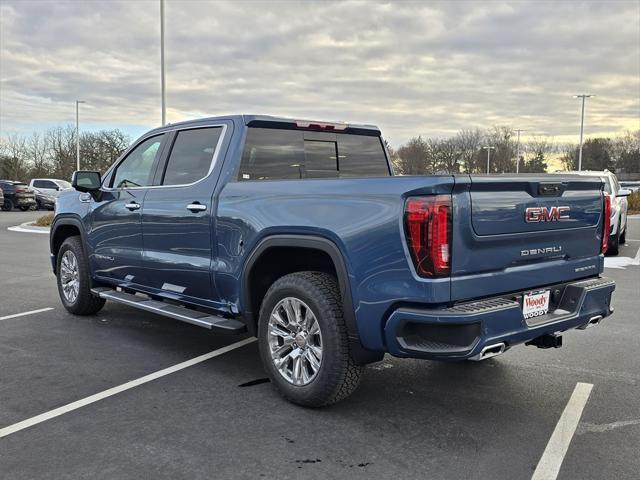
(115, 234)
(177, 223)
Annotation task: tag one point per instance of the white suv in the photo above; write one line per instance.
(49, 186)
(618, 232)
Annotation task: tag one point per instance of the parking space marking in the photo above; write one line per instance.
(551, 460)
(43, 417)
(32, 312)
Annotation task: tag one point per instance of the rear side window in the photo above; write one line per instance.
(44, 184)
(191, 156)
(274, 154)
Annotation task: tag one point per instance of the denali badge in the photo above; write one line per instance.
(544, 214)
(539, 251)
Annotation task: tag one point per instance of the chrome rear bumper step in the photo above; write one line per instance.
(201, 319)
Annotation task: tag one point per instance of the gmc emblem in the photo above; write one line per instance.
(544, 214)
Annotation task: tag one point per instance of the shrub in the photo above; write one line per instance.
(634, 203)
(45, 220)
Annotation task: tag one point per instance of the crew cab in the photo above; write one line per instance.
(297, 232)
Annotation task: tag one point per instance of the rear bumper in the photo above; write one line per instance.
(462, 331)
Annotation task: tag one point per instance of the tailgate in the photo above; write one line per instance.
(514, 233)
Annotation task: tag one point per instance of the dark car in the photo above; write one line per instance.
(45, 201)
(297, 232)
(17, 194)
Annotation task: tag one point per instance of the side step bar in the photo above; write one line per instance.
(201, 319)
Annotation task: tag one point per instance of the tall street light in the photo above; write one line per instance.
(488, 149)
(162, 80)
(78, 102)
(583, 97)
(518, 150)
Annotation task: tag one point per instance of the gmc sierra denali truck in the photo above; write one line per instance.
(297, 232)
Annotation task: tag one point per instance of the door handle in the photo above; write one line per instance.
(132, 206)
(196, 207)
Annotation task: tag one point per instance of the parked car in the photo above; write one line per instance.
(297, 232)
(44, 201)
(49, 186)
(619, 206)
(17, 194)
(631, 185)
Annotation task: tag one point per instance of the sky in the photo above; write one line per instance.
(412, 68)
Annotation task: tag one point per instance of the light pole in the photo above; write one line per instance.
(488, 149)
(78, 102)
(583, 97)
(518, 150)
(162, 80)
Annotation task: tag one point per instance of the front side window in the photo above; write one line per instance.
(136, 170)
(191, 156)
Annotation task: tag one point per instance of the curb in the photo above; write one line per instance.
(29, 227)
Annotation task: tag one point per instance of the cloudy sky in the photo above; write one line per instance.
(410, 67)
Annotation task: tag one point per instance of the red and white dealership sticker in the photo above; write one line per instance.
(535, 304)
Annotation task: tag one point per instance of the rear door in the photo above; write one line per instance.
(513, 233)
(177, 226)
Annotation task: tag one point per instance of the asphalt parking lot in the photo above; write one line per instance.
(217, 419)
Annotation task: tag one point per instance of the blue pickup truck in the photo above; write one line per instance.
(298, 233)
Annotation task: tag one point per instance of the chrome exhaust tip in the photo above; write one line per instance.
(593, 321)
(489, 351)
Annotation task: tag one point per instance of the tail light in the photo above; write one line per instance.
(20, 189)
(606, 222)
(427, 223)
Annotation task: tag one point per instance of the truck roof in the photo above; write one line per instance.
(282, 122)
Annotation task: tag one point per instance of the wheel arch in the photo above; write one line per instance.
(63, 228)
(316, 247)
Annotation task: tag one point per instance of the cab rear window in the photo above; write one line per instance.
(276, 154)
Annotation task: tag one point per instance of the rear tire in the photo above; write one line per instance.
(614, 243)
(289, 343)
(74, 281)
(623, 237)
(7, 206)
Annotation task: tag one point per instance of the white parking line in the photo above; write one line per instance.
(551, 461)
(16, 315)
(43, 417)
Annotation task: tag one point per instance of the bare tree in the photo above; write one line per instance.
(536, 150)
(13, 164)
(469, 143)
(411, 159)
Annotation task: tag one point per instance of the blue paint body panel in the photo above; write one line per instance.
(200, 258)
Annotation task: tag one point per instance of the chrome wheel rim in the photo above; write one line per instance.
(295, 341)
(69, 276)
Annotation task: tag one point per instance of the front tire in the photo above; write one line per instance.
(74, 281)
(7, 206)
(303, 340)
